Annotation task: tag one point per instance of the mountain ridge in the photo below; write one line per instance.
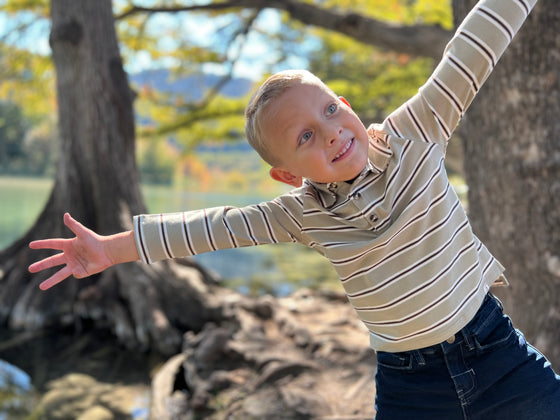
(191, 87)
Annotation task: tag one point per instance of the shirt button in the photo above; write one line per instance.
(357, 196)
(373, 218)
(332, 186)
(451, 339)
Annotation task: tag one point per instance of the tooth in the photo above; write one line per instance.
(345, 149)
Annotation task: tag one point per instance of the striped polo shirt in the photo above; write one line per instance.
(397, 235)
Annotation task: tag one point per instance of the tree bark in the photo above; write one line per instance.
(511, 140)
(98, 182)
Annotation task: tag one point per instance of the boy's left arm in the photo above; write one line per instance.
(469, 58)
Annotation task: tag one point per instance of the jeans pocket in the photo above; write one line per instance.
(497, 331)
(398, 361)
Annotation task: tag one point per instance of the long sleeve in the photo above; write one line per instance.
(171, 235)
(469, 58)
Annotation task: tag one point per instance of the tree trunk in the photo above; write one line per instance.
(98, 182)
(511, 140)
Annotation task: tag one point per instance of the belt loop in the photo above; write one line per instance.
(467, 338)
(417, 354)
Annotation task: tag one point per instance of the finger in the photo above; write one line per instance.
(56, 278)
(57, 243)
(49, 262)
(74, 225)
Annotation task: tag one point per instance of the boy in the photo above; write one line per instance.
(377, 203)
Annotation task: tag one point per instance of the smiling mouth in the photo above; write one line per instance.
(343, 151)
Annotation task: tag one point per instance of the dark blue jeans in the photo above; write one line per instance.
(487, 371)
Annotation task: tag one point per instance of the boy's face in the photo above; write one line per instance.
(315, 135)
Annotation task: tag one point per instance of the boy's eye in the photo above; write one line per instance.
(305, 137)
(331, 109)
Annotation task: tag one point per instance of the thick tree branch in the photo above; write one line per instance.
(416, 40)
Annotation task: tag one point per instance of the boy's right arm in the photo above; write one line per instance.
(86, 254)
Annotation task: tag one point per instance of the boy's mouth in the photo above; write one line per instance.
(343, 152)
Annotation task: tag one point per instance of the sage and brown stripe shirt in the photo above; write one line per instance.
(397, 236)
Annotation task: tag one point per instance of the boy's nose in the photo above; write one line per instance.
(332, 135)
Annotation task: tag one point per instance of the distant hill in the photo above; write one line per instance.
(191, 87)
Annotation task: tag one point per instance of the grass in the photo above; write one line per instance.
(21, 200)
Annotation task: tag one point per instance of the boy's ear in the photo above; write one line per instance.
(343, 99)
(286, 177)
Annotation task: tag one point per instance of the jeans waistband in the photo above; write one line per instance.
(490, 308)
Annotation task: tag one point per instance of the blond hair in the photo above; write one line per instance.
(271, 89)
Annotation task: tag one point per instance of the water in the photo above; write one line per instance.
(16, 393)
(18, 398)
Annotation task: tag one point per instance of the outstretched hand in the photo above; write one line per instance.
(81, 256)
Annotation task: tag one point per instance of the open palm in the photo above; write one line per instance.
(81, 256)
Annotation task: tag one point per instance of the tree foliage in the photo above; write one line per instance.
(223, 37)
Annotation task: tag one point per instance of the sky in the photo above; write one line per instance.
(255, 54)
(37, 40)
(255, 58)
